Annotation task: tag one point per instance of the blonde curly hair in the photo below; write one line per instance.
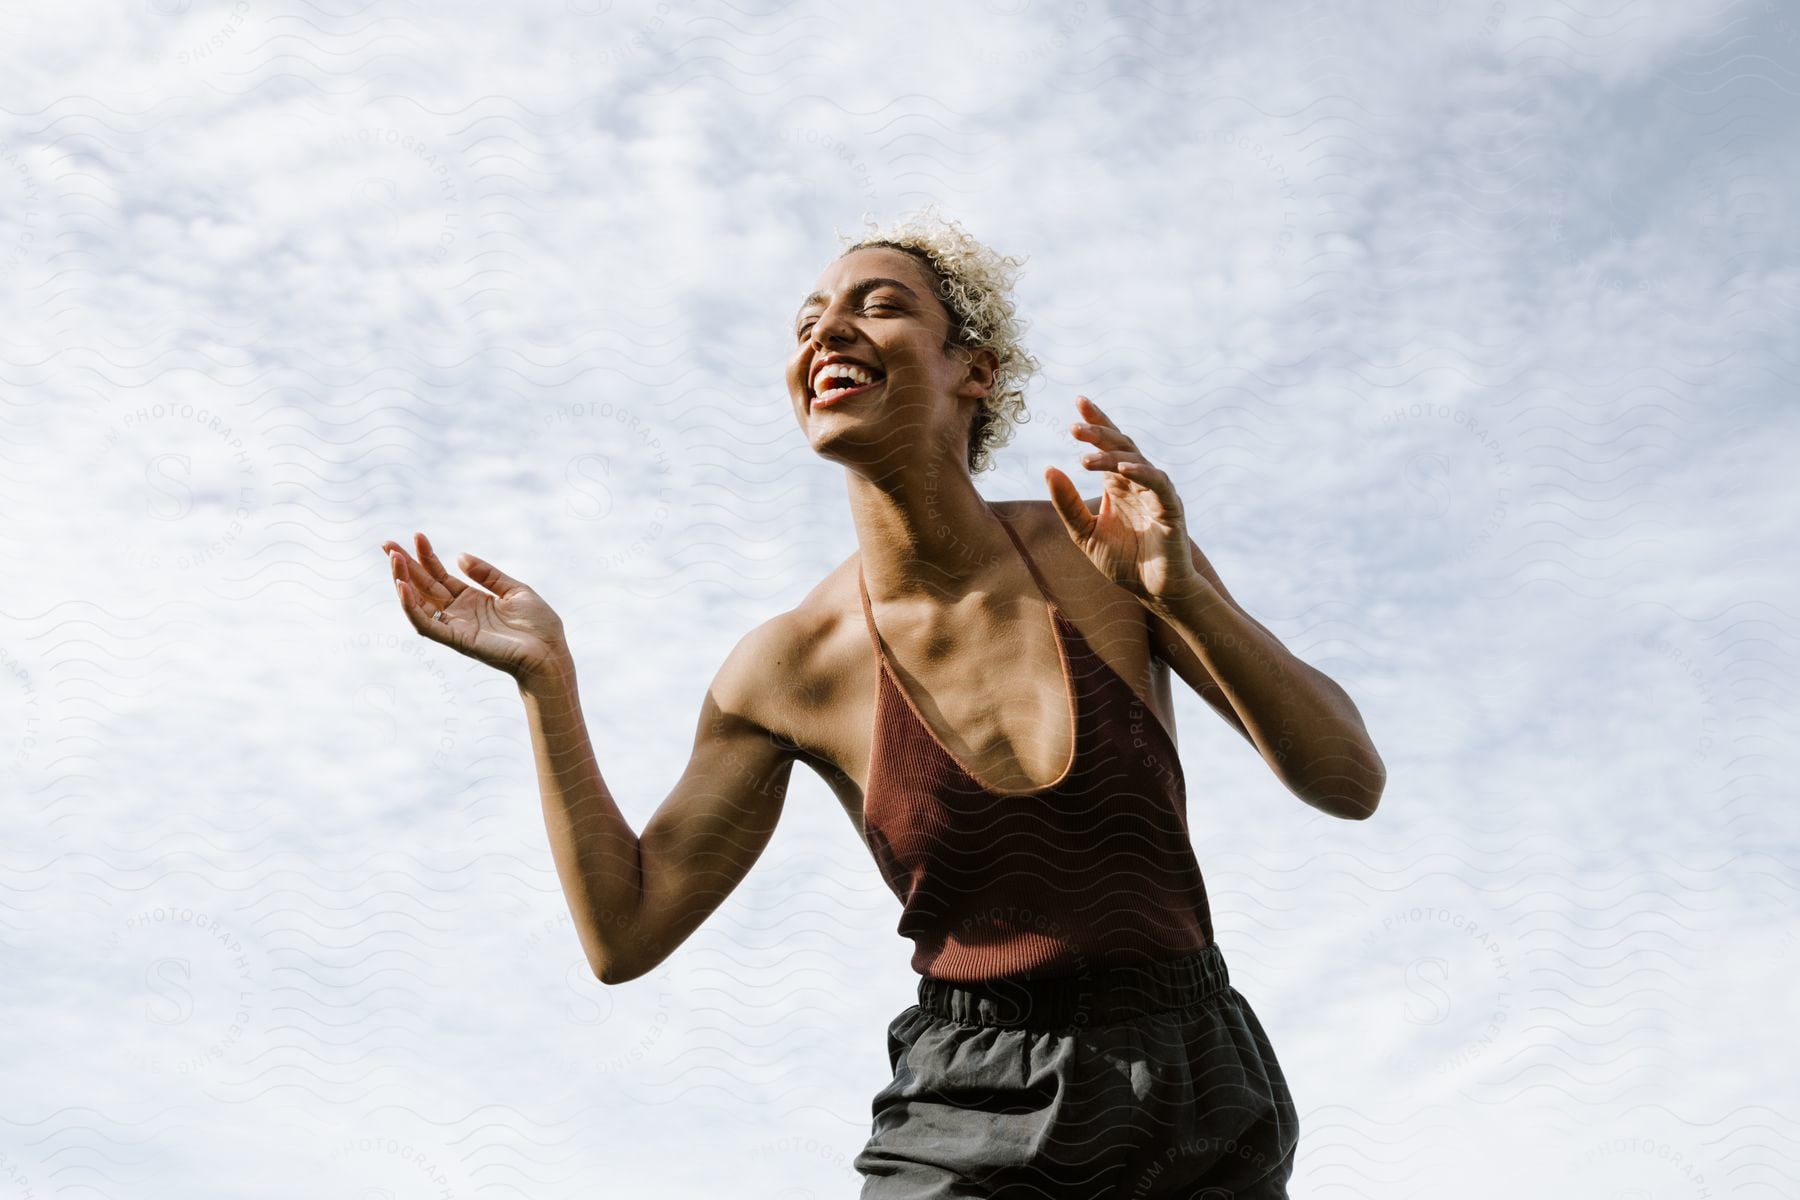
(975, 285)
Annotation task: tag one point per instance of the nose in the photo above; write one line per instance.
(831, 328)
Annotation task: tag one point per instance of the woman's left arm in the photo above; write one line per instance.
(1302, 723)
(1298, 718)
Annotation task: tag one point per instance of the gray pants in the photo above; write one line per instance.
(1139, 1082)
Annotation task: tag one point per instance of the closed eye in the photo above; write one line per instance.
(879, 304)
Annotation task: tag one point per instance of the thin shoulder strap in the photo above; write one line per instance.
(868, 613)
(1036, 575)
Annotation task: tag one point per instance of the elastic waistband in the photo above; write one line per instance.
(1087, 999)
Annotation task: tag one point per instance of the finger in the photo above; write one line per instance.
(1134, 468)
(419, 616)
(1107, 437)
(422, 583)
(429, 557)
(1158, 481)
(1110, 460)
(1069, 505)
(1093, 412)
(488, 575)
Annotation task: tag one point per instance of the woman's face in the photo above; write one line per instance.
(869, 372)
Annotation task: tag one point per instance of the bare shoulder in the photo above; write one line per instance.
(764, 663)
(1040, 512)
(1044, 530)
(784, 672)
(1106, 608)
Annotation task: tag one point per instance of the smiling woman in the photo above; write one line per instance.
(984, 688)
(972, 286)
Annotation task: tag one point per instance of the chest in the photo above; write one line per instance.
(994, 692)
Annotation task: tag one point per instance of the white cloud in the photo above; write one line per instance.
(1466, 341)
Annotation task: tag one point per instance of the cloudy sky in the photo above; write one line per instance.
(1466, 332)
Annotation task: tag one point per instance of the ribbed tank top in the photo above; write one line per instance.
(1095, 870)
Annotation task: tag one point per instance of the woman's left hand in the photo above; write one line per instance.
(1138, 538)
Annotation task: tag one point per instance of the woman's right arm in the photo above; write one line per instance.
(636, 898)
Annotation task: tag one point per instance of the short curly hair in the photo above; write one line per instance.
(975, 285)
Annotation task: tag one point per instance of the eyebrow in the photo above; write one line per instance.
(860, 288)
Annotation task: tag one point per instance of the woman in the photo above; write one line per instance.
(1076, 1032)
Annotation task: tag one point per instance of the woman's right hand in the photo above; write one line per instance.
(509, 628)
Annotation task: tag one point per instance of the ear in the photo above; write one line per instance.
(983, 365)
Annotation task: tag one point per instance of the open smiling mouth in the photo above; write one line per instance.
(842, 387)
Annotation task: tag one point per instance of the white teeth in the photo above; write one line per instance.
(836, 392)
(844, 371)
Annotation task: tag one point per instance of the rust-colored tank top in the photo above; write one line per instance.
(1093, 871)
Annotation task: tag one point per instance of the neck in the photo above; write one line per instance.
(924, 530)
